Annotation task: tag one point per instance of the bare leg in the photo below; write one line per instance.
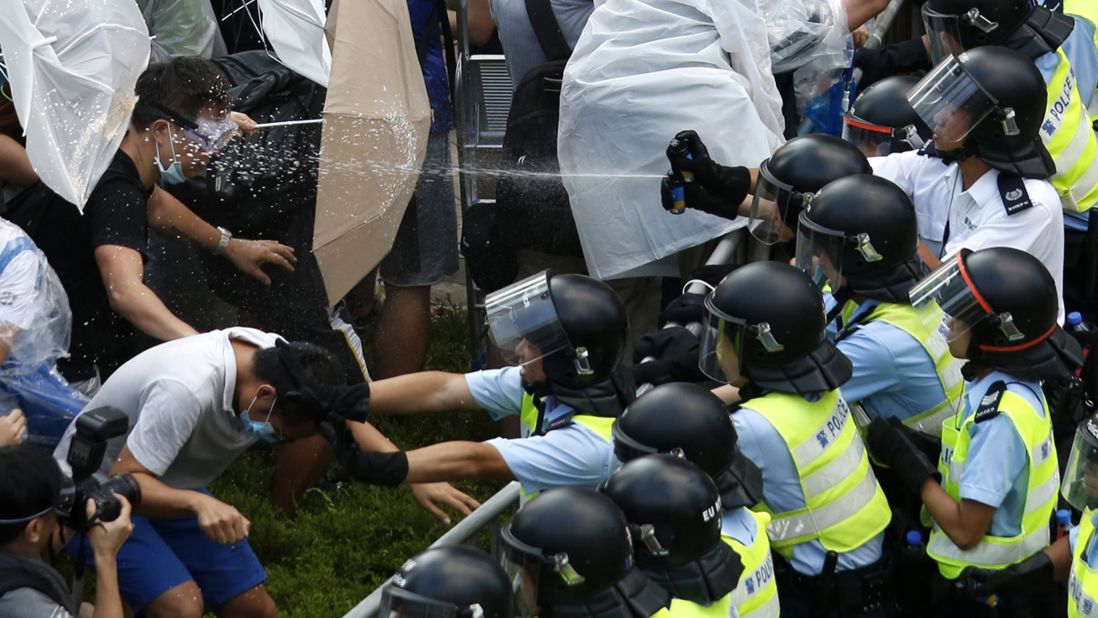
(401, 343)
(299, 465)
(254, 603)
(182, 601)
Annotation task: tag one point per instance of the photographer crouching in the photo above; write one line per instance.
(39, 511)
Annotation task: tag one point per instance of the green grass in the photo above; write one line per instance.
(340, 547)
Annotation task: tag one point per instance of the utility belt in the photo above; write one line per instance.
(857, 591)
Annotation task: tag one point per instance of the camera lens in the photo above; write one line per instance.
(107, 506)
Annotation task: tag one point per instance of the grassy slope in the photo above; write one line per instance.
(339, 548)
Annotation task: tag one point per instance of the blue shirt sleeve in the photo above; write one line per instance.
(572, 456)
(996, 458)
(875, 367)
(1081, 53)
(499, 391)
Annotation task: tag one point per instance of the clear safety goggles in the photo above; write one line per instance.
(525, 565)
(208, 134)
(722, 342)
(522, 315)
(943, 31)
(877, 141)
(1080, 485)
(211, 135)
(821, 251)
(397, 602)
(950, 286)
(952, 103)
(772, 204)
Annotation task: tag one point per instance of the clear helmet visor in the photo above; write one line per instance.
(950, 101)
(878, 141)
(721, 344)
(523, 322)
(820, 253)
(950, 287)
(397, 602)
(943, 33)
(770, 204)
(1080, 484)
(525, 564)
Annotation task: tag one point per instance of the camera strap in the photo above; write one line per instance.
(78, 573)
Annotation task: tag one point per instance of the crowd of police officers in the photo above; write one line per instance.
(868, 423)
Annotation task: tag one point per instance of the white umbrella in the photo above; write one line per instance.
(73, 65)
(295, 29)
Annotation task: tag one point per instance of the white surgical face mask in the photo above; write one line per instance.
(173, 174)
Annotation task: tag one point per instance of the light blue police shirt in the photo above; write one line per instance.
(571, 455)
(1081, 53)
(995, 471)
(761, 443)
(893, 375)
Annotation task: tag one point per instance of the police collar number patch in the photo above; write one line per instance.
(1012, 190)
(989, 404)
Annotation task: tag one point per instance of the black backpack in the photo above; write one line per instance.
(531, 211)
(535, 207)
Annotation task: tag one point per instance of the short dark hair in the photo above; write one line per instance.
(30, 481)
(182, 86)
(319, 366)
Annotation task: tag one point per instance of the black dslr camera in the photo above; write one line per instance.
(94, 429)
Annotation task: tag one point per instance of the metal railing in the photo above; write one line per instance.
(487, 514)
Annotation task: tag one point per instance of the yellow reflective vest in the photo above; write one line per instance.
(844, 505)
(1083, 582)
(925, 325)
(681, 608)
(994, 552)
(756, 595)
(1068, 135)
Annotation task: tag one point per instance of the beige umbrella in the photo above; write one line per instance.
(376, 119)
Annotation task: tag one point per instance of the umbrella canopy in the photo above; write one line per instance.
(73, 65)
(376, 119)
(295, 29)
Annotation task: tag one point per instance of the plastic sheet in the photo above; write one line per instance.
(35, 323)
(36, 327)
(182, 28)
(643, 71)
(802, 32)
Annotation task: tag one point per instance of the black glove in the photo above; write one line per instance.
(342, 402)
(730, 183)
(685, 309)
(893, 59)
(676, 352)
(1032, 575)
(891, 443)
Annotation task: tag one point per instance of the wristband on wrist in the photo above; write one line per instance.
(223, 243)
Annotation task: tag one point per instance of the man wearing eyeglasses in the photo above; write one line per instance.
(180, 121)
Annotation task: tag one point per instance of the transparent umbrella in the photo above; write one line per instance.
(73, 65)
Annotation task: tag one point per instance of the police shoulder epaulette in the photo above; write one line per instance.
(989, 405)
(1012, 190)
